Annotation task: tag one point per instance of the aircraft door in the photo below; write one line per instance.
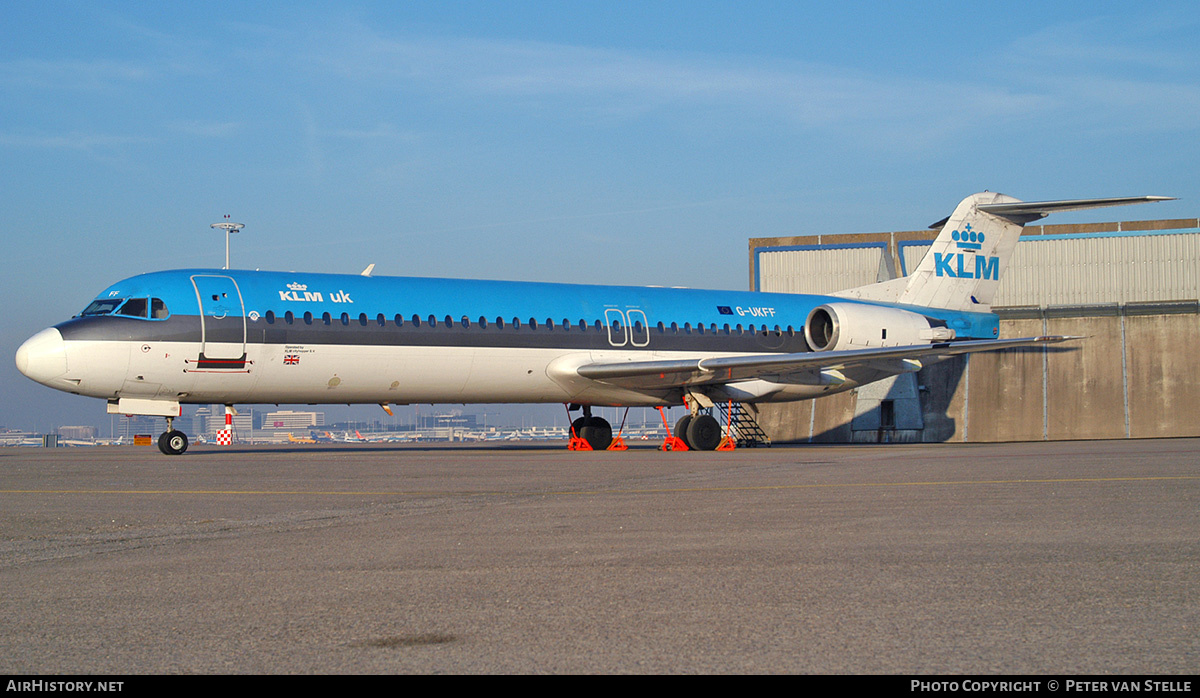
(618, 335)
(639, 328)
(222, 318)
(627, 327)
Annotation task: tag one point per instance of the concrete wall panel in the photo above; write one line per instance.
(943, 400)
(1006, 390)
(1163, 366)
(833, 418)
(786, 421)
(1084, 386)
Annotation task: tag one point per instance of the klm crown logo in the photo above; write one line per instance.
(967, 238)
(956, 266)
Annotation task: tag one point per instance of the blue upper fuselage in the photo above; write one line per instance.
(264, 292)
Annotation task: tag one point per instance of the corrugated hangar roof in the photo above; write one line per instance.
(1078, 264)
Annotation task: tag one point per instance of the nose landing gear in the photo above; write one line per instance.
(172, 442)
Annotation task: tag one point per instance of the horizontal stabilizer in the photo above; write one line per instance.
(1026, 211)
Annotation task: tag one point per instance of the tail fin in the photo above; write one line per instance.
(962, 270)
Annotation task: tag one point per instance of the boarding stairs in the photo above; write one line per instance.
(746, 431)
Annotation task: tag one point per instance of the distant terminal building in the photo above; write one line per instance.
(82, 433)
(289, 420)
(129, 426)
(1130, 288)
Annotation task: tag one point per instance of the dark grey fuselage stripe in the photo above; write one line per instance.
(186, 328)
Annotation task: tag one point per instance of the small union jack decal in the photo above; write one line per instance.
(291, 359)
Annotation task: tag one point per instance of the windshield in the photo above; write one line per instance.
(102, 307)
(134, 307)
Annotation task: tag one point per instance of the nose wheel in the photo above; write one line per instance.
(172, 443)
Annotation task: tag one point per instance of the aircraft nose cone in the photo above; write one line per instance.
(43, 357)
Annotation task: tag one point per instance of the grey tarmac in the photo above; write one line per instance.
(1027, 558)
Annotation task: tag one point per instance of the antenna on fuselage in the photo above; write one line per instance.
(228, 227)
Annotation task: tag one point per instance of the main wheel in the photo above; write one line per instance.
(681, 429)
(598, 433)
(704, 433)
(173, 443)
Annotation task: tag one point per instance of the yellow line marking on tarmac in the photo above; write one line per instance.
(661, 490)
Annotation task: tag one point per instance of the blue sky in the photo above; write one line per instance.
(638, 143)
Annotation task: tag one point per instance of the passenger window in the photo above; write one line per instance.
(326, 318)
(416, 321)
(288, 317)
(307, 318)
(345, 318)
(483, 322)
(399, 320)
(270, 317)
(466, 322)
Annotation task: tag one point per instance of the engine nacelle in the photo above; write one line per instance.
(835, 326)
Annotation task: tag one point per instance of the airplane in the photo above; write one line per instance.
(153, 342)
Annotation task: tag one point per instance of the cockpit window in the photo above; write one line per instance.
(158, 309)
(102, 307)
(134, 307)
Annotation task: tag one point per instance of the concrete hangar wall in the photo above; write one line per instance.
(1131, 288)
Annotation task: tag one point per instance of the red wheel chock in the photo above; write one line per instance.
(673, 443)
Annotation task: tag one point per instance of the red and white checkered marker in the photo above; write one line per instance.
(225, 436)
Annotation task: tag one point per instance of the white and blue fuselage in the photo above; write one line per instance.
(203, 335)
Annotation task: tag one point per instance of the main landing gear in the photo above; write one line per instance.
(698, 432)
(172, 442)
(701, 432)
(594, 430)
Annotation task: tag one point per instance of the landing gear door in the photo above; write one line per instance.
(222, 318)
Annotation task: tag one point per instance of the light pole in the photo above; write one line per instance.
(228, 227)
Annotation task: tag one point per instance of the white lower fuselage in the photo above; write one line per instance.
(348, 374)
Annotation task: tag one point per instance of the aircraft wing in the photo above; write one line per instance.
(801, 367)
